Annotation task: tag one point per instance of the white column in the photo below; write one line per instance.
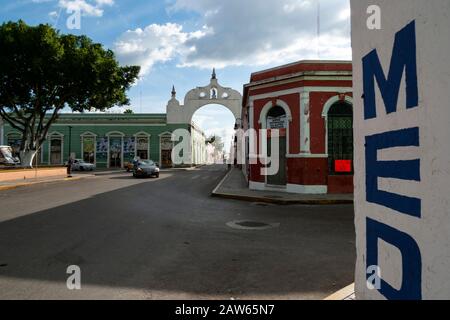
(305, 128)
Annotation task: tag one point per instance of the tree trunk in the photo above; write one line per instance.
(27, 157)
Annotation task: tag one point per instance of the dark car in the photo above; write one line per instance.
(145, 168)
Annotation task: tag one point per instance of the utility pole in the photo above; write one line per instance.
(318, 29)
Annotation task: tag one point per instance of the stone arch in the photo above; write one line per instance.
(199, 97)
(269, 105)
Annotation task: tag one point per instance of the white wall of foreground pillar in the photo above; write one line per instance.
(402, 222)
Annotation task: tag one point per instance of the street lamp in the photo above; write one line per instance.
(70, 141)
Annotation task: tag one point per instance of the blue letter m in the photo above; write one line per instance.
(403, 57)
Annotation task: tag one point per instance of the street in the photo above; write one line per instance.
(167, 238)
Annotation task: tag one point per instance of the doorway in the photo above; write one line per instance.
(166, 151)
(56, 151)
(277, 120)
(115, 152)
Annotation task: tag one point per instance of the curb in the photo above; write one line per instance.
(231, 196)
(344, 294)
(28, 184)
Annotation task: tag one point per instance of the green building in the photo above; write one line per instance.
(109, 140)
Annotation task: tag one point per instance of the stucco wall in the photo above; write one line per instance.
(402, 208)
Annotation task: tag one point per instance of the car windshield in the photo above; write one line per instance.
(146, 163)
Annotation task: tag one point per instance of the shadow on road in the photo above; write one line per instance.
(170, 235)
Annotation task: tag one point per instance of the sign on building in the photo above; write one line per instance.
(402, 150)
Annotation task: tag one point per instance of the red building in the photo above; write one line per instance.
(311, 103)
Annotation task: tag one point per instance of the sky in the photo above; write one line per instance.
(178, 42)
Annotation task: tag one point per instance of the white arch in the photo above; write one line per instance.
(88, 134)
(269, 105)
(327, 106)
(326, 109)
(55, 133)
(142, 134)
(115, 134)
(200, 97)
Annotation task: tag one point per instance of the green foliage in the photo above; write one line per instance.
(128, 111)
(43, 72)
(217, 142)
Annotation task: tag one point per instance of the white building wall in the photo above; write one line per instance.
(402, 208)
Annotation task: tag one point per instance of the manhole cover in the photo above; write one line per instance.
(251, 225)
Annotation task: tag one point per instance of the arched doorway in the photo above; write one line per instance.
(56, 147)
(166, 147)
(277, 119)
(340, 138)
(115, 149)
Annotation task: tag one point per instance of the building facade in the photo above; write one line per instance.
(110, 140)
(311, 104)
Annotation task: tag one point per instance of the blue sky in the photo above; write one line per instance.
(178, 42)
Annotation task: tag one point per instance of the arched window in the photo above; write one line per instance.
(88, 143)
(56, 147)
(340, 138)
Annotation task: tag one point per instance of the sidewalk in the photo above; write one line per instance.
(347, 294)
(234, 186)
(9, 185)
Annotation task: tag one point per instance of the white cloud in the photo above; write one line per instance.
(87, 8)
(235, 33)
(155, 43)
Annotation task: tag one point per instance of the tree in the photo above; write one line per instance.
(128, 111)
(217, 142)
(42, 72)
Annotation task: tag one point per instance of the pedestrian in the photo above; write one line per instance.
(69, 167)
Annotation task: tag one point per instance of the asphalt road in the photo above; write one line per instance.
(167, 239)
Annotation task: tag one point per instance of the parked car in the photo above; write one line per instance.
(7, 158)
(146, 168)
(81, 165)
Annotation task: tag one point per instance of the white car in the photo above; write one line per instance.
(81, 165)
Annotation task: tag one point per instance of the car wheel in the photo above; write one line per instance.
(81, 168)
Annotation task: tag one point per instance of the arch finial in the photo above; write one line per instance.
(214, 76)
(174, 92)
